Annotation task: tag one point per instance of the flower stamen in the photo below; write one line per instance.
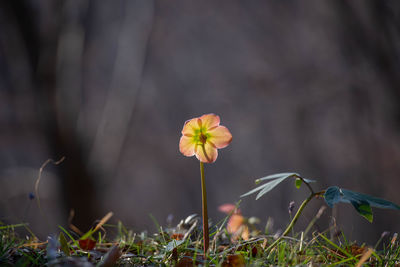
(203, 138)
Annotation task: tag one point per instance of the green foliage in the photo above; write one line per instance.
(182, 246)
(64, 244)
(364, 209)
(160, 249)
(333, 195)
(298, 183)
(361, 202)
(173, 244)
(275, 179)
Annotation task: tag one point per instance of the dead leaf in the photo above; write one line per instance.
(185, 262)
(177, 236)
(87, 244)
(234, 261)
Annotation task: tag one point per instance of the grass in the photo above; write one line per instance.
(117, 245)
(234, 241)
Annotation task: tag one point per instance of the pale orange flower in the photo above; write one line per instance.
(203, 137)
(236, 225)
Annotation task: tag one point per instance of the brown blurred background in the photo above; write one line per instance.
(311, 87)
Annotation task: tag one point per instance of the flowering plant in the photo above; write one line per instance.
(203, 136)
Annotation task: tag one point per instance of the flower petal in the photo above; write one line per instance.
(190, 126)
(210, 120)
(220, 136)
(234, 223)
(206, 153)
(186, 146)
(229, 208)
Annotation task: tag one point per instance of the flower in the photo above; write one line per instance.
(229, 209)
(237, 224)
(203, 137)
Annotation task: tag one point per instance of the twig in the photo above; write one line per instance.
(40, 176)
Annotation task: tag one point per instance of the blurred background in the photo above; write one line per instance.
(311, 87)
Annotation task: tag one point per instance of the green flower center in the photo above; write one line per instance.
(201, 136)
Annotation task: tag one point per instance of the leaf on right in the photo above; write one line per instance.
(361, 202)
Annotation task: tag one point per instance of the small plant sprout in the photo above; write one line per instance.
(203, 137)
(332, 195)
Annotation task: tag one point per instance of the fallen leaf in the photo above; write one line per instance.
(87, 244)
(177, 236)
(184, 262)
(234, 261)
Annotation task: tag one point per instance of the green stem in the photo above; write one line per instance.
(204, 208)
(294, 220)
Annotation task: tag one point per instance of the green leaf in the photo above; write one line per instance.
(269, 186)
(88, 234)
(70, 236)
(361, 202)
(364, 209)
(277, 175)
(64, 244)
(266, 187)
(298, 183)
(276, 179)
(372, 201)
(173, 244)
(333, 195)
(258, 188)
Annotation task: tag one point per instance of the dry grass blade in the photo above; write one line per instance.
(365, 257)
(34, 244)
(103, 221)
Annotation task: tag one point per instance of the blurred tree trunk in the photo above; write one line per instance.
(39, 27)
